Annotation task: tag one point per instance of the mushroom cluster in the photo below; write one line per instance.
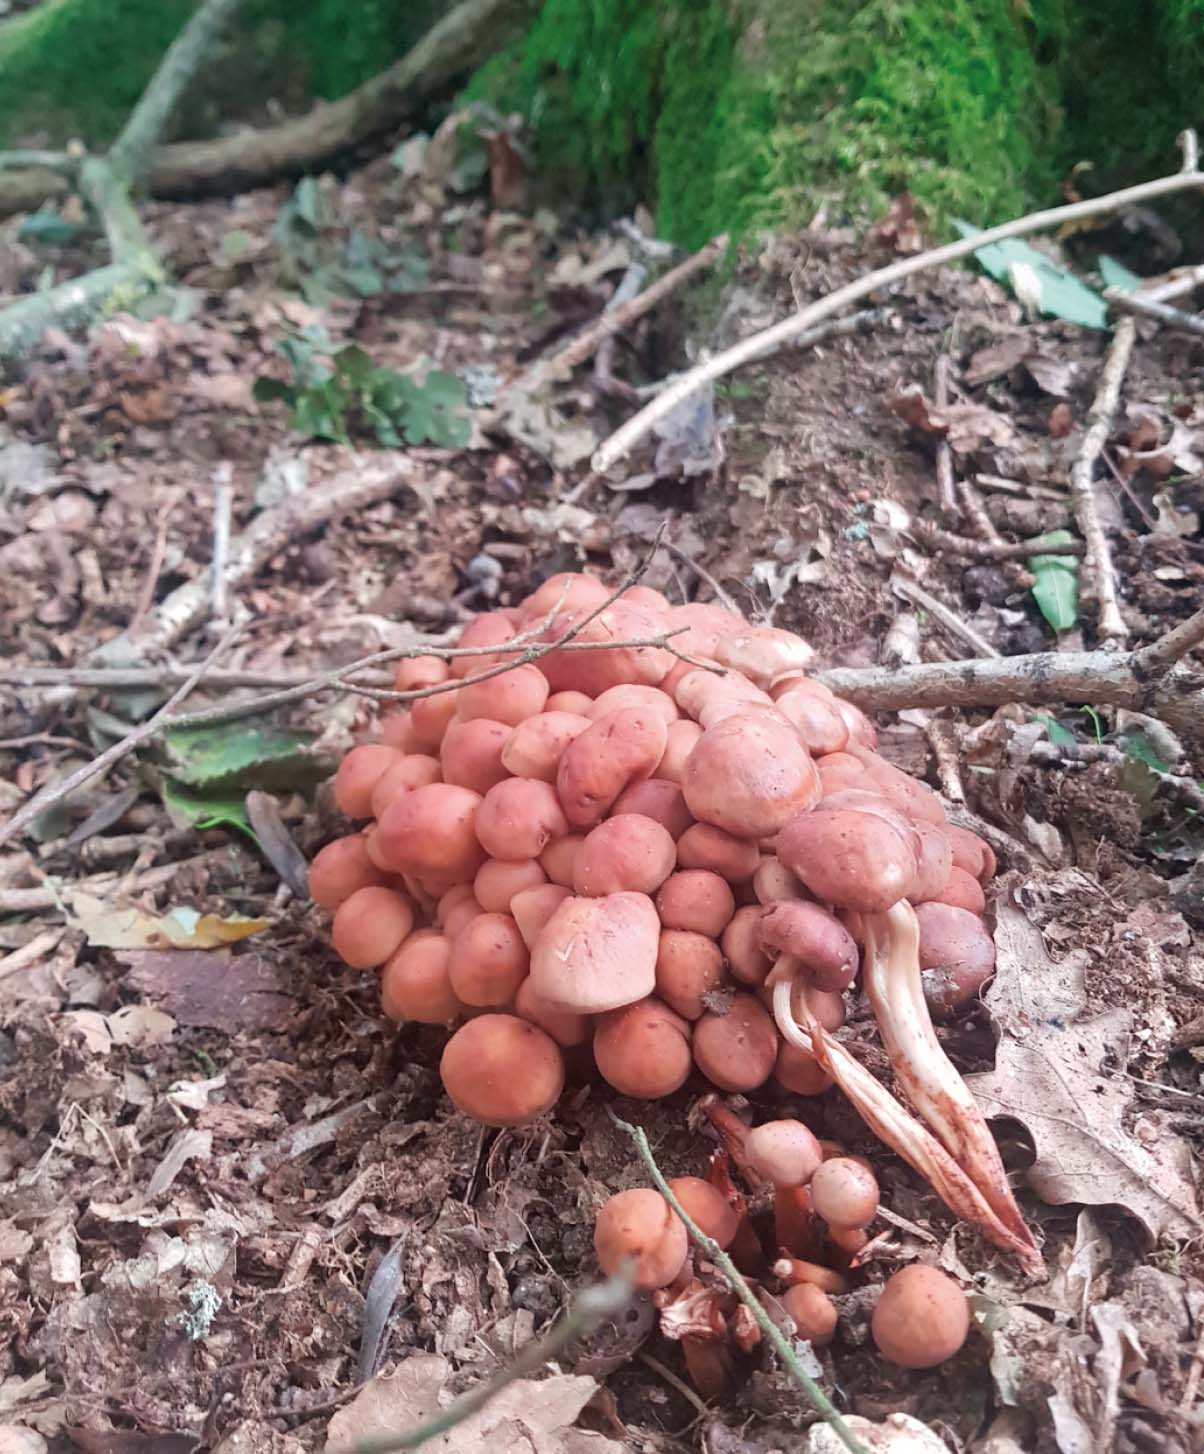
(617, 831)
(821, 1205)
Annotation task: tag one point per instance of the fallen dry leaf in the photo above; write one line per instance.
(109, 927)
(897, 1434)
(967, 427)
(1063, 1077)
(534, 1415)
(221, 991)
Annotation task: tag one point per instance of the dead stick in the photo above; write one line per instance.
(617, 319)
(1110, 623)
(1172, 647)
(1103, 678)
(223, 504)
(623, 440)
(1173, 318)
(946, 495)
(950, 620)
(56, 791)
(945, 542)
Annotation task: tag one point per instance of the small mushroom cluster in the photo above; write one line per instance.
(660, 860)
(823, 1202)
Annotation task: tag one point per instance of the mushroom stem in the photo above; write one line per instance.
(891, 978)
(894, 1125)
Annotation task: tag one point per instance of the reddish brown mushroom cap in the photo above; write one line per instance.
(785, 1153)
(501, 1070)
(736, 1051)
(813, 1311)
(597, 954)
(706, 1206)
(748, 774)
(641, 1225)
(921, 1317)
(957, 956)
(844, 1192)
(849, 858)
(643, 1050)
(818, 940)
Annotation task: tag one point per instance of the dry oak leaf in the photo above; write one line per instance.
(1063, 1078)
(532, 1415)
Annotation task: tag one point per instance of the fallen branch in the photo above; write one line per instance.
(1143, 307)
(815, 1395)
(466, 36)
(1110, 623)
(946, 543)
(1148, 681)
(134, 271)
(624, 439)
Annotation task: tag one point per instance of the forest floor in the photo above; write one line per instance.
(207, 1152)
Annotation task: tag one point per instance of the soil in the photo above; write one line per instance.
(208, 1158)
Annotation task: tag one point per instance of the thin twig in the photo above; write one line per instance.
(146, 595)
(1170, 648)
(367, 482)
(148, 120)
(47, 161)
(819, 1400)
(1110, 623)
(55, 792)
(39, 947)
(1175, 285)
(703, 575)
(946, 495)
(947, 543)
(223, 505)
(1173, 318)
(950, 620)
(1104, 678)
(615, 320)
(856, 323)
(621, 442)
(592, 1307)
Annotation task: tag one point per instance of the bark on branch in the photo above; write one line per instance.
(465, 37)
(1140, 681)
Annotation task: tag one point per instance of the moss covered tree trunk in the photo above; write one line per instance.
(723, 114)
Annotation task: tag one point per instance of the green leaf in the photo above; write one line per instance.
(354, 364)
(1056, 587)
(1116, 275)
(234, 756)
(205, 809)
(1037, 280)
(267, 390)
(1060, 736)
(435, 411)
(49, 229)
(1139, 747)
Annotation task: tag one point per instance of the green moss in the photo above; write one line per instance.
(51, 60)
(628, 101)
(741, 113)
(947, 98)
